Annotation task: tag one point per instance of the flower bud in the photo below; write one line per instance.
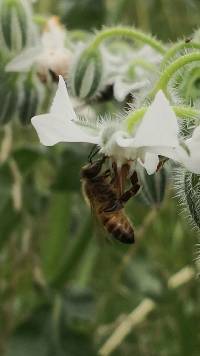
(15, 20)
(153, 186)
(32, 96)
(53, 62)
(189, 86)
(87, 73)
(8, 92)
(191, 191)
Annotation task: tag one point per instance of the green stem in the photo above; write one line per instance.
(131, 33)
(177, 47)
(171, 69)
(184, 112)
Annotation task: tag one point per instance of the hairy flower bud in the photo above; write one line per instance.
(191, 191)
(153, 186)
(87, 73)
(8, 92)
(32, 95)
(190, 85)
(15, 21)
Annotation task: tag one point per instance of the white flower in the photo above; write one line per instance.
(156, 134)
(49, 54)
(130, 72)
(191, 160)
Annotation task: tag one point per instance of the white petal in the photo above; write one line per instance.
(57, 126)
(191, 160)
(150, 163)
(159, 126)
(24, 61)
(169, 152)
(62, 104)
(52, 129)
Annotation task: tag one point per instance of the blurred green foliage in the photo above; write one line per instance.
(63, 287)
(167, 19)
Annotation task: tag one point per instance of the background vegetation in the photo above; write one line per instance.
(64, 290)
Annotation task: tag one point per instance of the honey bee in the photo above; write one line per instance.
(102, 194)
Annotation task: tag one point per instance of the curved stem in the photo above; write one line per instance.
(171, 69)
(176, 48)
(128, 32)
(184, 112)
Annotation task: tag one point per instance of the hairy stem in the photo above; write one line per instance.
(128, 32)
(177, 47)
(171, 70)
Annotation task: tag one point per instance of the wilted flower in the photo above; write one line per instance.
(156, 134)
(49, 55)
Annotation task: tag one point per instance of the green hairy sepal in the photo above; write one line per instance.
(87, 74)
(14, 24)
(8, 92)
(32, 96)
(153, 186)
(188, 191)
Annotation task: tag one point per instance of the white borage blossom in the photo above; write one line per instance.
(156, 134)
(135, 74)
(49, 54)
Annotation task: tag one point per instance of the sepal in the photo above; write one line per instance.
(188, 188)
(15, 24)
(87, 73)
(153, 186)
(8, 92)
(32, 96)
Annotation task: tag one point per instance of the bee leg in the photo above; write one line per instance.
(134, 178)
(93, 153)
(161, 164)
(119, 203)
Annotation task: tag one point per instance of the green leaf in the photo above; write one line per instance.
(9, 217)
(78, 245)
(26, 157)
(73, 10)
(9, 220)
(56, 243)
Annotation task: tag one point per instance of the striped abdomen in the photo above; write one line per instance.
(118, 225)
(102, 195)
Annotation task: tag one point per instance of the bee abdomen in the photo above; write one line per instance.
(120, 228)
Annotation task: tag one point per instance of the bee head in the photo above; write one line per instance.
(92, 170)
